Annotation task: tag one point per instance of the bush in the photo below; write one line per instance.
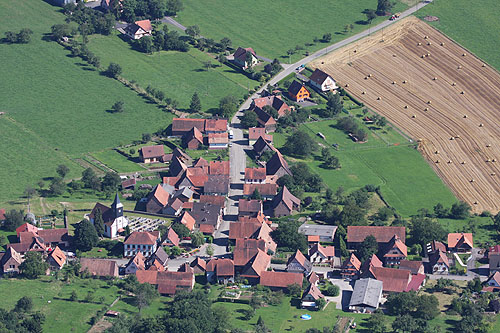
(332, 290)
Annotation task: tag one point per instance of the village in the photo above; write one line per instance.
(326, 188)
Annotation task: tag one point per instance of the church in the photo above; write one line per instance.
(114, 221)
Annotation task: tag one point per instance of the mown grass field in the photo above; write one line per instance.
(117, 161)
(473, 24)
(61, 315)
(272, 28)
(59, 104)
(178, 74)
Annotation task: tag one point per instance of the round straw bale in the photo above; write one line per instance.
(493, 174)
(452, 138)
(426, 109)
(363, 93)
(457, 136)
(436, 152)
(369, 75)
(419, 44)
(429, 43)
(347, 85)
(459, 66)
(494, 160)
(481, 125)
(484, 65)
(472, 180)
(366, 77)
(379, 98)
(429, 102)
(434, 78)
(404, 81)
(393, 82)
(475, 202)
(414, 116)
(426, 37)
(463, 162)
(437, 161)
(465, 116)
(488, 145)
(422, 56)
(462, 92)
(354, 51)
(463, 54)
(429, 54)
(442, 43)
(406, 106)
(488, 160)
(449, 161)
(453, 84)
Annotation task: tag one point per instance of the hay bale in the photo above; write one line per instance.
(452, 138)
(379, 98)
(354, 51)
(426, 37)
(426, 109)
(429, 43)
(449, 161)
(442, 43)
(422, 56)
(404, 81)
(366, 77)
(472, 180)
(463, 54)
(475, 202)
(493, 174)
(434, 78)
(436, 152)
(429, 54)
(429, 102)
(419, 43)
(393, 82)
(347, 85)
(463, 162)
(465, 116)
(406, 106)
(369, 75)
(414, 116)
(484, 65)
(363, 93)
(453, 84)
(494, 160)
(462, 92)
(459, 66)
(488, 160)
(481, 125)
(457, 136)
(437, 161)
(488, 145)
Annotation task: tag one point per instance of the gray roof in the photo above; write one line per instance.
(318, 230)
(161, 255)
(366, 292)
(168, 188)
(183, 191)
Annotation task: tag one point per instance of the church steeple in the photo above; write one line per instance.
(117, 207)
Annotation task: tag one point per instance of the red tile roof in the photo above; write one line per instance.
(290, 201)
(215, 138)
(245, 205)
(255, 173)
(357, 234)
(313, 238)
(207, 228)
(457, 239)
(301, 259)
(188, 221)
(2, 214)
(145, 25)
(327, 251)
(397, 243)
(243, 229)
(152, 151)
(128, 183)
(99, 267)
(26, 227)
(161, 195)
(353, 260)
(148, 276)
(246, 249)
(214, 199)
(416, 282)
(200, 263)
(438, 246)
(412, 266)
(259, 265)
(395, 280)
(215, 125)
(222, 267)
(254, 133)
(138, 260)
(264, 189)
(54, 235)
(143, 237)
(280, 279)
(197, 176)
(219, 168)
(172, 236)
(201, 162)
(185, 124)
(58, 256)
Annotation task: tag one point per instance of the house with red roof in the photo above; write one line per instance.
(460, 242)
(267, 191)
(56, 259)
(2, 215)
(261, 146)
(255, 175)
(220, 271)
(394, 280)
(264, 119)
(187, 220)
(138, 262)
(219, 168)
(248, 207)
(199, 266)
(277, 166)
(141, 241)
(245, 57)
(168, 283)
(395, 251)
(151, 154)
(250, 258)
(181, 126)
(273, 101)
(193, 139)
(26, 227)
(280, 280)
(252, 230)
(384, 235)
(215, 125)
(493, 282)
(415, 266)
(10, 261)
(99, 267)
(439, 263)
(285, 203)
(139, 29)
(374, 261)
(218, 140)
(254, 133)
(351, 268)
(494, 258)
(157, 199)
(171, 238)
(310, 296)
(319, 254)
(298, 263)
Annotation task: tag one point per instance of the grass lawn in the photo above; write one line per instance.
(178, 74)
(473, 24)
(481, 227)
(116, 161)
(58, 103)
(279, 25)
(61, 314)
(285, 317)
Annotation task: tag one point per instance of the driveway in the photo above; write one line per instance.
(342, 300)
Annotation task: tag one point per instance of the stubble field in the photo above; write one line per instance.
(448, 101)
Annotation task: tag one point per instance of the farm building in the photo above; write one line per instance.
(366, 295)
(151, 154)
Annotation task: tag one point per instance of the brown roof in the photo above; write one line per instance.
(177, 152)
(263, 118)
(194, 133)
(318, 76)
(242, 52)
(280, 279)
(215, 125)
(412, 266)
(26, 227)
(275, 163)
(395, 280)
(287, 198)
(327, 251)
(185, 268)
(185, 124)
(314, 292)
(261, 144)
(99, 267)
(313, 238)
(128, 183)
(245, 205)
(148, 276)
(260, 218)
(456, 239)
(219, 168)
(255, 173)
(143, 237)
(58, 256)
(222, 267)
(145, 25)
(438, 257)
(152, 151)
(159, 194)
(243, 229)
(11, 253)
(357, 234)
(259, 265)
(170, 180)
(201, 162)
(199, 262)
(217, 184)
(207, 228)
(197, 176)
(264, 189)
(313, 278)
(300, 258)
(214, 138)
(156, 266)
(397, 243)
(255, 132)
(246, 249)
(54, 235)
(353, 260)
(2, 214)
(138, 260)
(188, 221)
(214, 199)
(438, 246)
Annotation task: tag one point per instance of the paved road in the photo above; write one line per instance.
(291, 68)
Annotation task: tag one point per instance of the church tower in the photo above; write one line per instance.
(117, 207)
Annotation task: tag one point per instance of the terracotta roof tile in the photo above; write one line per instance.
(215, 138)
(219, 168)
(152, 151)
(357, 234)
(219, 200)
(395, 280)
(99, 267)
(264, 189)
(143, 237)
(280, 279)
(185, 124)
(255, 173)
(252, 206)
(58, 256)
(188, 221)
(455, 239)
(215, 125)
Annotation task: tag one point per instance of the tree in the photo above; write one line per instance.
(249, 119)
(440, 211)
(110, 182)
(401, 303)
(475, 285)
(174, 6)
(90, 179)
(90, 296)
(225, 43)
(210, 250)
(352, 214)
(377, 323)
(146, 44)
(117, 107)
(460, 210)
(98, 222)
(62, 170)
(256, 195)
(427, 307)
(384, 6)
(145, 293)
(408, 324)
(424, 230)
(3, 240)
(59, 31)
(146, 137)
(227, 106)
(334, 105)
(381, 122)
(197, 239)
(10, 37)
(299, 144)
(13, 219)
(368, 247)
(73, 297)
(85, 236)
(261, 326)
(24, 36)
(181, 230)
(33, 265)
(370, 15)
(331, 162)
(24, 304)
(496, 221)
(287, 237)
(57, 186)
(114, 70)
(332, 290)
(193, 31)
(343, 248)
(325, 153)
(326, 38)
(195, 105)
(320, 303)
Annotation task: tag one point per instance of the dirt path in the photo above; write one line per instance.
(439, 94)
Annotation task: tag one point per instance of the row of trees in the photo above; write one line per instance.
(22, 37)
(89, 21)
(22, 318)
(132, 10)
(161, 40)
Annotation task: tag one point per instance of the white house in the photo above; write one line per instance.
(139, 29)
(145, 242)
(322, 81)
(439, 263)
(245, 57)
(135, 264)
(114, 221)
(322, 255)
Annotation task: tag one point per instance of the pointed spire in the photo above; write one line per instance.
(117, 200)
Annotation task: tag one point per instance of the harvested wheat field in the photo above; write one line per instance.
(439, 94)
